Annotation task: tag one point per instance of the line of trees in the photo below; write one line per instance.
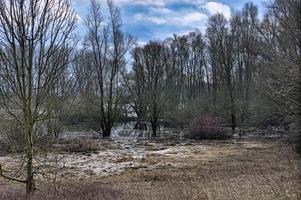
(230, 70)
(243, 69)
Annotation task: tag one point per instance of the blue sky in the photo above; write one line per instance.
(158, 19)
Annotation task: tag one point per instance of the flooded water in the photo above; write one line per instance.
(130, 149)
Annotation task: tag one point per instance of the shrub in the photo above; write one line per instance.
(81, 146)
(15, 136)
(207, 127)
(54, 127)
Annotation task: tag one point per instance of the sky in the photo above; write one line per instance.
(158, 19)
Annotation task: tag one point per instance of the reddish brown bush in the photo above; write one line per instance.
(207, 127)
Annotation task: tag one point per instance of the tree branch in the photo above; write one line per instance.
(10, 178)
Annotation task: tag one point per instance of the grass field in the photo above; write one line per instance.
(233, 169)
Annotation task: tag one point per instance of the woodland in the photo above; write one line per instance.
(211, 114)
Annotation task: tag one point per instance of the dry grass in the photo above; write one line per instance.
(253, 172)
(79, 146)
(88, 192)
(214, 170)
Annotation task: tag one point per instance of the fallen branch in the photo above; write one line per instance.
(10, 178)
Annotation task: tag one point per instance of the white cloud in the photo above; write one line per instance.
(183, 18)
(156, 3)
(160, 11)
(193, 17)
(141, 43)
(214, 8)
(152, 19)
(159, 3)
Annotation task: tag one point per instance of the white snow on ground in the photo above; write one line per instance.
(100, 164)
(125, 153)
(68, 135)
(115, 161)
(128, 149)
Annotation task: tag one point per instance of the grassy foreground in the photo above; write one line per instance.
(243, 169)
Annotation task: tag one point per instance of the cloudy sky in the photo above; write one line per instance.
(157, 19)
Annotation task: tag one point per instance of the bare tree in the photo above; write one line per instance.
(245, 25)
(109, 47)
(281, 44)
(221, 46)
(281, 59)
(136, 85)
(33, 35)
(151, 69)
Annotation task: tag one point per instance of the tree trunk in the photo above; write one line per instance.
(137, 125)
(154, 128)
(233, 122)
(30, 179)
(106, 132)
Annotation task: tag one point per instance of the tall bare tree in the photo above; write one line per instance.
(221, 47)
(281, 59)
(150, 67)
(281, 44)
(137, 87)
(33, 35)
(246, 44)
(109, 46)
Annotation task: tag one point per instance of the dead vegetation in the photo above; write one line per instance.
(79, 146)
(241, 169)
(208, 128)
